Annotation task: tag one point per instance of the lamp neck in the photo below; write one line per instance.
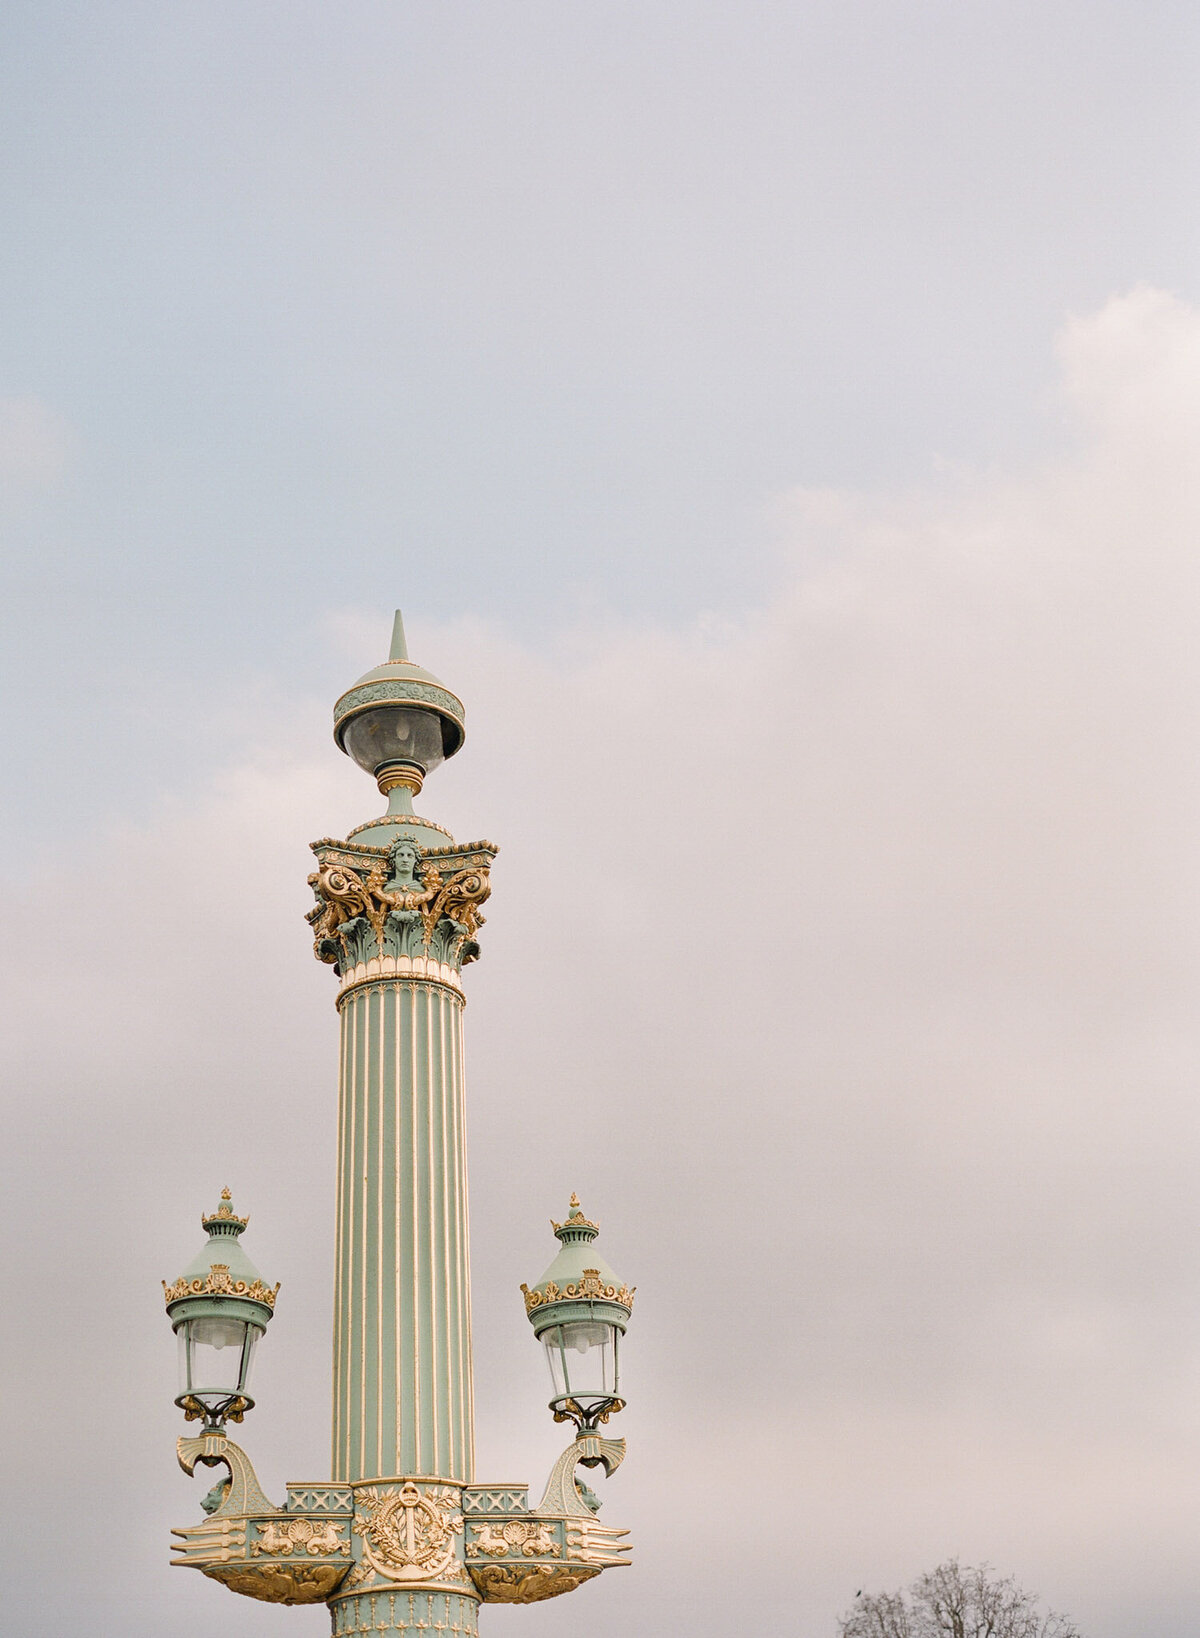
(400, 782)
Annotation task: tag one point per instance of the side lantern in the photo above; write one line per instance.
(219, 1307)
(579, 1310)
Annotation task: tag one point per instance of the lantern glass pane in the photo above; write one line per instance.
(395, 733)
(216, 1346)
(252, 1335)
(583, 1359)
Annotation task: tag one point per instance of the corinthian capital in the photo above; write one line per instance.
(400, 909)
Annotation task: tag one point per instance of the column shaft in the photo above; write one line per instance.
(402, 1325)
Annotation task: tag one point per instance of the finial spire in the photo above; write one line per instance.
(224, 1220)
(577, 1226)
(399, 646)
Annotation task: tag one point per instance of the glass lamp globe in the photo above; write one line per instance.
(216, 1352)
(584, 1363)
(395, 733)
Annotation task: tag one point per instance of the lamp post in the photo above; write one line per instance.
(401, 1539)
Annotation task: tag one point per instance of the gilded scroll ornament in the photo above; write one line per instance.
(589, 1288)
(218, 1283)
(409, 1534)
(527, 1583)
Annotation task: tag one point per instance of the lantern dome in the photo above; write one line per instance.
(579, 1284)
(221, 1269)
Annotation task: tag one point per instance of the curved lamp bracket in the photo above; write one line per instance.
(562, 1496)
(244, 1494)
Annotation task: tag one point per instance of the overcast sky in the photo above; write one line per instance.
(780, 423)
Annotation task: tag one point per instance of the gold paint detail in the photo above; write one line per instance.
(403, 971)
(589, 1288)
(218, 1283)
(359, 857)
(344, 895)
(528, 1538)
(406, 773)
(224, 1213)
(362, 1575)
(528, 1583)
(408, 1534)
(295, 1537)
(495, 1499)
(576, 1219)
(282, 1583)
(396, 819)
(570, 1410)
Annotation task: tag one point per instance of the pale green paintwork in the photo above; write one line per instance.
(400, 681)
(402, 1349)
(225, 1247)
(576, 1252)
(400, 818)
(577, 1255)
(372, 1614)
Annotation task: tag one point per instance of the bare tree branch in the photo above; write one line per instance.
(954, 1601)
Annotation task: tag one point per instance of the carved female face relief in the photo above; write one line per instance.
(404, 861)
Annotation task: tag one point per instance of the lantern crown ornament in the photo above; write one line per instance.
(219, 1307)
(579, 1310)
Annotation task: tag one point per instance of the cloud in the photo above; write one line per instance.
(843, 957)
(34, 444)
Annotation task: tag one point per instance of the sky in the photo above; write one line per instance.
(780, 425)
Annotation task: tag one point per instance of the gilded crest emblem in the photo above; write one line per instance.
(408, 1534)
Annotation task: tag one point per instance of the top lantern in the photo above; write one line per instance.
(398, 721)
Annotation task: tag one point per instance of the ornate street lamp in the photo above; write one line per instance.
(219, 1308)
(579, 1310)
(402, 1539)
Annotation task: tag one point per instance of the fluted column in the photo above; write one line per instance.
(398, 922)
(402, 1326)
